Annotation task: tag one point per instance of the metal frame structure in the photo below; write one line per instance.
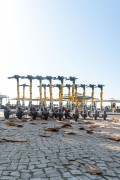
(17, 77)
(40, 78)
(30, 78)
(23, 99)
(73, 79)
(69, 95)
(101, 95)
(50, 78)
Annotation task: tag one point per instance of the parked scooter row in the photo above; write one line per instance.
(44, 112)
(57, 113)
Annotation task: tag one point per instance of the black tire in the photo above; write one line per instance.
(6, 115)
(89, 113)
(46, 117)
(19, 116)
(82, 113)
(66, 116)
(84, 116)
(34, 117)
(104, 116)
(55, 115)
(60, 117)
(95, 116)
(75, 117)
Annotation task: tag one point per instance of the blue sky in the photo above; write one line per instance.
(60, 37)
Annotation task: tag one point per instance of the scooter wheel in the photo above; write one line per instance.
(46, 117)
(75, 118)
(34, 117)
(19, 117)
(66, 116)
(94, 117)
(6, 115)
(60, 118)
(104, 116)
(55, 115)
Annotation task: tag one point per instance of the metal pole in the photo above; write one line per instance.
(93, 88)
(23, 99)
(84, 96)
(18, 92)
(76, 95)
(73, 89)
(101, 98)
(101, 95)
(69, 96)
(40, 91)
(23, 96)
(49, 78)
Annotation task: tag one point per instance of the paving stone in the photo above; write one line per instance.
(25, 171)
(3, 168)
(114, 165)
(48, 168)
(110, 173)
(117, 170)
(83, 178)
(31, 167)
(72, 178)
(118, 176)
(37, 173)
(56, 178)
(5, 173)
(35, 178)
(111, 178)
(4, 162)
(50, 164)
(66, 174)
(8, 178)
(76, 172)
(21, 167)
(23, 179)
(41, 165)
(94, 177)
(52, 173)
(71, 158)
(101, 164)
(16, 174)
(26, 175)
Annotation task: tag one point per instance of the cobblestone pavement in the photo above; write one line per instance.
(57, 155)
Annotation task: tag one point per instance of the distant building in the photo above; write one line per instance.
(1, 99)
